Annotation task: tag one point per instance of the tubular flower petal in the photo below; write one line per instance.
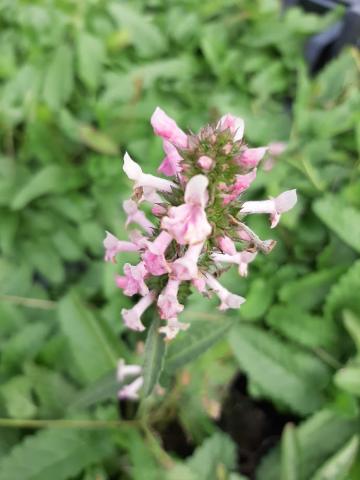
(154, 256)
(168, 304)
(134, 215)
(171, 165)
(113, 246)
(135, 173)
(132, 317)
(172, 328)
(185, 268)
(131, 391)
(228, 299)
(251, 157)
(166, 128)
(242, 259)
(133, 281)
(123, 371)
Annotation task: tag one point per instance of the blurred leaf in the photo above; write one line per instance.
(154, 356)
(217, 453)
(340, 217)
(58, 83)
(201, 335)
(90, 58)
(348, 378)
(47, 180)
(289, 454)
(258, 300)
(283, 373)
(339, 465)
(16, 394)
(93, 354)
(105, 388)
(352, 325)
(55, 454)
(345, 293)
(96, 140)
(319, 437)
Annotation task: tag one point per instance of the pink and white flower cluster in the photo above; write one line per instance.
(197, 230)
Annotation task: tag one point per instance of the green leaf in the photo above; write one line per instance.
(339, 465)
(352, 325)
(319, 437)
(92, 352)
(16, 394)
(258, 300)
(201, 335)
(55, 454)
(345, 293)
(146, 37)
(309, 291)
(340, 217)
(98, 141)
(47, 180)
(308, 330)
(90, 59)
(216, 454)
(283, 373)
(154, 357)
(289, 454)
(59, 80)
(348, 378)
(105, 388)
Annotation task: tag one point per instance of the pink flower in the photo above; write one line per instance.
(134, 215)
(235, 124)
(171, 165)
(172, 328)
(158, 210)
(132, 317)
(205, 162)
(168, 304)
(145, 180)
(133, 281)
(240, 258)
(228, 299)
(131, 391)
(226, 245)
(275, 150)
(185, 268)
(251, 157)
(113, 246)
(124, 371)
(166, 128)
(275, 206)
(241, 184)
(154, 256)
(188, 223)
(199, 283)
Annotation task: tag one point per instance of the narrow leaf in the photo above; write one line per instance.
(154, 357)
(289, 454)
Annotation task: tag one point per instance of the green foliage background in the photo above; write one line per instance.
(78, 83)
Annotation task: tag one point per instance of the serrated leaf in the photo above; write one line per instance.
(308, 330)
(289, 454)
(47, 180)
(340, 217)
(319, 437)
(55, 454)
(90, 347)
(59, 80)
(309, 291)
(339, 465)
(345, 293)
(282, 372)
(90, 58)
(201, 335)
(154, 357)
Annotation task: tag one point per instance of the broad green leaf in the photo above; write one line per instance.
(308, 330)
(345, 293)
(340, 217)
(319, 437)
(309, 291)
(201, 335)
(154, 356)
(59, 80)
(48, 180)
(145, 35)
(90, 59)
(289, 454)
(17, 397)
(91, 349)
(283, 373)
(216, 454)
(352, 325)
(348, 378)
(339, 465)
(105, 388)
(56, 454)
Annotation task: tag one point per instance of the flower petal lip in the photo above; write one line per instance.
(286, 201)
(166, 127)
(196, 191)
